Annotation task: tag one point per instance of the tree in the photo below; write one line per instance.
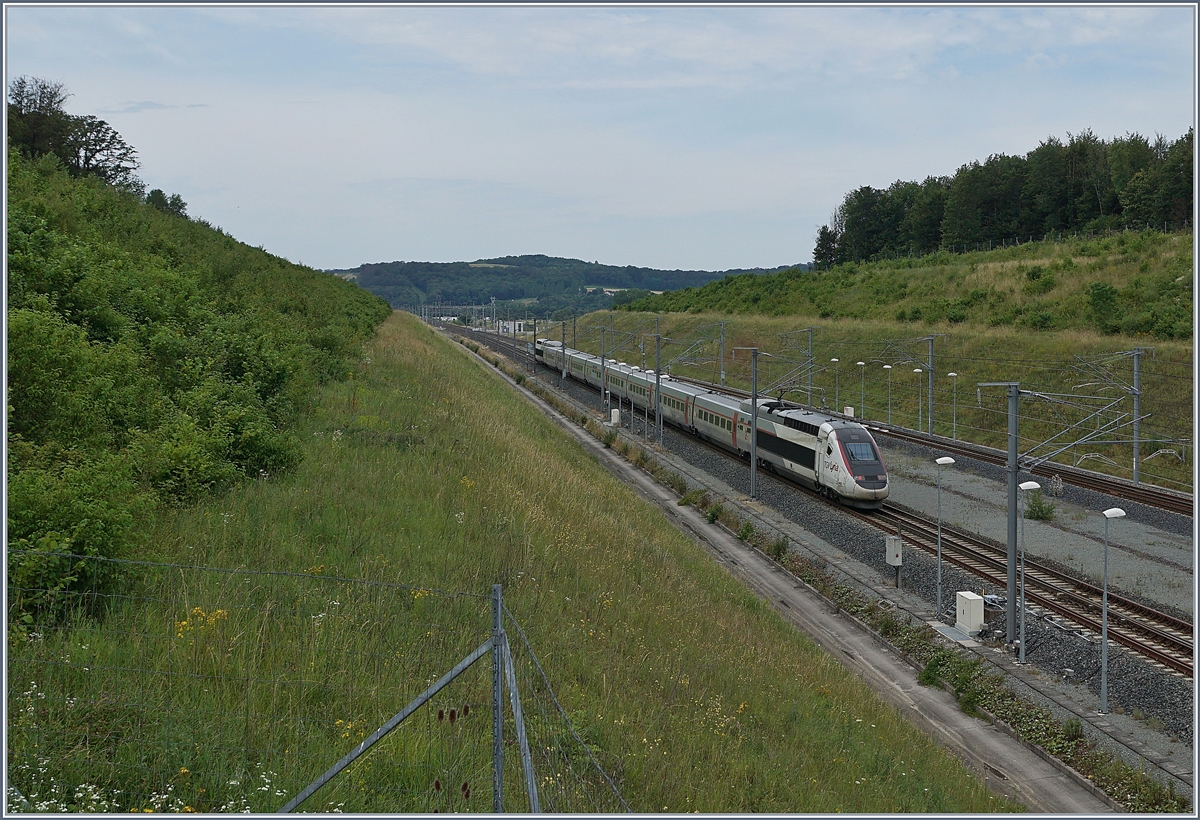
(37, 123)
(921, 227)
(173, 204)
(1126, 156)
(825, 250)
(87, 146)
(94, 148)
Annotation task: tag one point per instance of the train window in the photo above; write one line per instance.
(860, 451)
(828, 451)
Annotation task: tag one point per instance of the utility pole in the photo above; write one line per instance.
(658, 422)
(603, 378)
(810, 369)
(1137, 415)
(1014, 394)
(754, 415)
(753, 419)
(722, 354)
(931, 385)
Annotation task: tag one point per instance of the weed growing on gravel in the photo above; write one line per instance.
(1038, 508)
(778, 548)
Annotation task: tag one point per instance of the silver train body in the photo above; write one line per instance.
(834, 456)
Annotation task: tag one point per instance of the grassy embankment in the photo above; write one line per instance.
(993, 323)
(425, 470)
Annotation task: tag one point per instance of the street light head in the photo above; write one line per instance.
(887, 367)
(833, 360)
(944, 461)
(1115, 512)
(1029, 485)
(918, 370)
(860, 364)
(952, 375)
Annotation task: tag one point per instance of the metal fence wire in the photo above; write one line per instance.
(137, 686)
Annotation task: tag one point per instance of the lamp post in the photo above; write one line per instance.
(862, 400)
(836, 403)
(1109, 514)
(1025, 487)
(944, 461)
(753, 419)
(888, 368)
(954, 428)
(918, 371)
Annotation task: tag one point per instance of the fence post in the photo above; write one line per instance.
(497, 710)
(514, 698)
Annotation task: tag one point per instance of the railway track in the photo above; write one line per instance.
(1162, 638)
(1159, 637)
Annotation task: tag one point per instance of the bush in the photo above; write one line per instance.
(676, 482)
(1037, 508)
(745, 531)
(714, 513)
(608, 437)
(778, 548)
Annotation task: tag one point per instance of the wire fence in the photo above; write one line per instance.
(165, 687)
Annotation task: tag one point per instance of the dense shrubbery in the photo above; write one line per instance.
(151, 359)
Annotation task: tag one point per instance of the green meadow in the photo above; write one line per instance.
(354, 579)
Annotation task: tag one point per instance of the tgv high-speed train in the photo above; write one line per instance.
(831, 455)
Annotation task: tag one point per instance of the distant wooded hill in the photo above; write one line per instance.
(556, 283)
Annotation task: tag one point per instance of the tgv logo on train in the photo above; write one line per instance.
(790, 438)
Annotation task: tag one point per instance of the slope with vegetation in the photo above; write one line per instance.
(426, 470)
(1132, 283)
(151, 359)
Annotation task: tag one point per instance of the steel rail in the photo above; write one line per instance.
(1159, 636)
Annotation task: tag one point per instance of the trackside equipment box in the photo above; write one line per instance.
(970, 613)
(895, 550)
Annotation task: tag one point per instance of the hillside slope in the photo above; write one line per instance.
(427, 471)
(151, 359)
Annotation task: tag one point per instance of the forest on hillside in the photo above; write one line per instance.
(1085, 184)
(555, 283)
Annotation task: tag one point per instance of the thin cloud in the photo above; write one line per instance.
(137, 107)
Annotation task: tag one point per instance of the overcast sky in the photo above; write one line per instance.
(704, 137)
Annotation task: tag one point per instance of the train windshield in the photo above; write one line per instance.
(860, 451)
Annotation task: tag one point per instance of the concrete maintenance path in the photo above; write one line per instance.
(1005, 765)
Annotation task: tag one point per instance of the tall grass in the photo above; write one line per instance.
(425, 470)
